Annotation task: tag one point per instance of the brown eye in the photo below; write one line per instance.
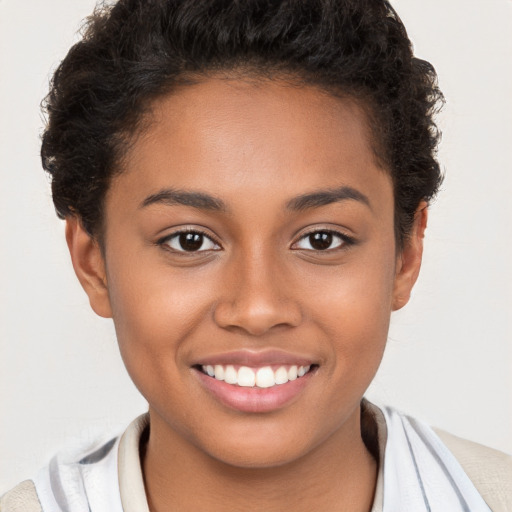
(190, 241)
(322, 241)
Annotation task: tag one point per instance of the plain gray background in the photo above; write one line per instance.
(449, 357)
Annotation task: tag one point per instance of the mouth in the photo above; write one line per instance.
(255, 382)
(263, 377)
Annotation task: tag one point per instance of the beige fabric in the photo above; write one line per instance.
(489, 470)
(22, 498)
(382, 434)
(131, 481)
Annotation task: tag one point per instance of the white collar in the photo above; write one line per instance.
(131, 481)
(417, 472)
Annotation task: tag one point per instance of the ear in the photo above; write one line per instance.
(409, 260)
(89, 266)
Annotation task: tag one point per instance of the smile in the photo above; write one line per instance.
(263, 377)
(256, 382)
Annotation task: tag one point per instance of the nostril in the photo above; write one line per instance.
(257, 313)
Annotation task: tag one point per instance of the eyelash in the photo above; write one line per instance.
(346, 241)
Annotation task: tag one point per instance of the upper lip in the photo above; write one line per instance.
(256, 358)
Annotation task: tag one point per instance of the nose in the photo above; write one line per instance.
(257, 296)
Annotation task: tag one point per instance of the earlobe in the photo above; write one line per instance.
(409, 260)
(89, 266)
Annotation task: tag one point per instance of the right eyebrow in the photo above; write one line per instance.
(199, 200)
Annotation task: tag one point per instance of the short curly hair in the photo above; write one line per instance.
(135, 51)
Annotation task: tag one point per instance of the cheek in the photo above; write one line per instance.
(155, 310)
(353, 307)
(358, 293)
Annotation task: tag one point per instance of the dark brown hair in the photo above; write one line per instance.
(136, 50)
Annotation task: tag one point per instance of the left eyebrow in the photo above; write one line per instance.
(324, 197)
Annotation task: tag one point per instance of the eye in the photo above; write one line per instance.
(189, 241)
(323, 240)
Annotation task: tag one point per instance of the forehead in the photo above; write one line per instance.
(271, 138)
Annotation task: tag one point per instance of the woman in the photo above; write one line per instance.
(245, 187)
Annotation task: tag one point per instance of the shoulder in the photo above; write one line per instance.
(22, 498)
(424, 459)
(490, 470)
(86, 472)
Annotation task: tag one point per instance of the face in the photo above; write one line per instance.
(250, 268)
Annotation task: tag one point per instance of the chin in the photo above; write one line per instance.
(254, 457)
(260, 447)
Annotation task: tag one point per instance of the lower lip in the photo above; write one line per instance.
(255, 400)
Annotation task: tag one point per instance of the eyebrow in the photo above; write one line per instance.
(204, 201)
(199, 200)
(325, 197)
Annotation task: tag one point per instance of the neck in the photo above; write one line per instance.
(339, 474)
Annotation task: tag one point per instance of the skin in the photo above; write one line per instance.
(260, 284)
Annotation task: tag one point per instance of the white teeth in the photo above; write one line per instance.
(246, 377)
(219, 372)
(264, 377)
(230, 375)
(281, 376)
